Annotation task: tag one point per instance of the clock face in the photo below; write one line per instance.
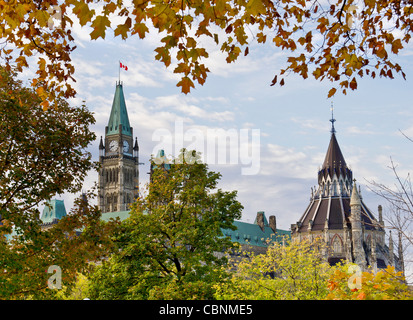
(113, 145)
(125, 146)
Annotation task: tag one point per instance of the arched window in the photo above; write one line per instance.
(336, 244)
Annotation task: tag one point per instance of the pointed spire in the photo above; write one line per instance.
(101, 147)
(119, 120)
(334, 162)
(333, 130)
(355, 197)
(136, 148)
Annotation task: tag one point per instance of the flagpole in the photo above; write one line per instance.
(119, 71)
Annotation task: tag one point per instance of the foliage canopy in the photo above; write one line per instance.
(340, 41)
(42, 153)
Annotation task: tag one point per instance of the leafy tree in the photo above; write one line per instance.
(286, 271)
(42, 153)
(171, 246)
(340, 41)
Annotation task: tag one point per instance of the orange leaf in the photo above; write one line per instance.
(361, 296)
(185, 85)
(353, 84)
(332, 92)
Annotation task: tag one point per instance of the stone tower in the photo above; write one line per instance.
(118, 180)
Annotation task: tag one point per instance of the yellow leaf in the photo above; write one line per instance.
(45, 105)
(255, 7)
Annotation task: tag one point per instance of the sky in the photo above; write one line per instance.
(280, 134)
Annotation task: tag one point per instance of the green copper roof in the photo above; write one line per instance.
(122, 215)
(54, 209)
(252, 234)
(119, 115)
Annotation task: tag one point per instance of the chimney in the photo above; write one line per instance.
(273, 224)
(260, 219)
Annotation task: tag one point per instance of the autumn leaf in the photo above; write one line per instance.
(274, 81)
(99, 26)
(332, 92)
(353, 84)
(361, 296)
(255, 7)
(186, 84)
(123, 29)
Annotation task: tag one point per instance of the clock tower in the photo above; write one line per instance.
(118, 180)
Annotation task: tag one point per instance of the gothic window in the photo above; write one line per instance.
(115, 202)
(336, 244)
(368, 242)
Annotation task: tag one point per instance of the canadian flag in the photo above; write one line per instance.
(123, 66)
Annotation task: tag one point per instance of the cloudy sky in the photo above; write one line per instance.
(291, 122)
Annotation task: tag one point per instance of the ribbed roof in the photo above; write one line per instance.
(119, 115)
(334, 162)
(334, 154)
(336, 210)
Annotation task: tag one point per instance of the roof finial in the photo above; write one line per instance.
(333, 130)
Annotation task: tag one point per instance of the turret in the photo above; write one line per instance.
(101, 149)
(356, 228)
(136, 149)
(380, 210)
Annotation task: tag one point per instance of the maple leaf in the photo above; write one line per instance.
(99, 26)
(353, 84)
(123, 29)
(186, 84)
(255, 7)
